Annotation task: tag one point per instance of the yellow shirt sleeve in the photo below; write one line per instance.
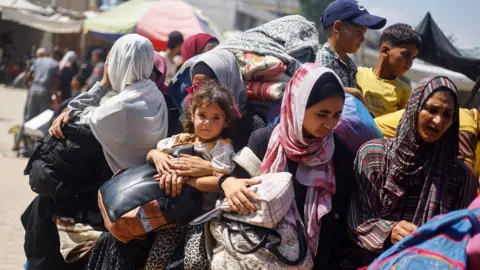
(468, 121)
(405, 96)
(388, 123)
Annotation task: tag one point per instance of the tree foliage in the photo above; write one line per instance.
(313, 10)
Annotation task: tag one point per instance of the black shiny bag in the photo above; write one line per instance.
(133, 205)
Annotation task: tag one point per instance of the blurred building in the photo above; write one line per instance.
(76, 5)
(245, 14)
(82, 5)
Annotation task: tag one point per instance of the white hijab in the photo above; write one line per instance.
(131, 123)
(68, 59)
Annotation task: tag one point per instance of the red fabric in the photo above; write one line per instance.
(193, 45)
(166, 16)
(265, 90)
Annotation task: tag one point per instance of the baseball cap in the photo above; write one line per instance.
(352, 11)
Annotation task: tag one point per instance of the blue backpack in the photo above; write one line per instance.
(439, 244)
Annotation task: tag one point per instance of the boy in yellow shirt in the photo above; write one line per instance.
(384, 92)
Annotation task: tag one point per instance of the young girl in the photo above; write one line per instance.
(209, 112)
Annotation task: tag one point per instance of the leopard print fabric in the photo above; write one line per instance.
(111, 254)
(168, 241)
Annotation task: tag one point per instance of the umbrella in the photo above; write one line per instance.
(166, 16)
(118, 21)
(152, 19)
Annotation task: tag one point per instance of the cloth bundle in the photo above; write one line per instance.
(294, 47)
(76, 239)
(264, 76)
(268, 55)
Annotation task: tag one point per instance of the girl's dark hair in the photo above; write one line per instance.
(209, 92)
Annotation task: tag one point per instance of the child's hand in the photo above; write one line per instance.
(162, 161)
(193, 166)
(171, 183)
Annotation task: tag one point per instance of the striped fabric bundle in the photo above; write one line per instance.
(265, 90)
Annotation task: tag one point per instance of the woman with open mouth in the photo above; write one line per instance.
(405, 181)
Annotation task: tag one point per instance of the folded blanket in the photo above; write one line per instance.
(265, 90)
(292, 39)
(261, 68)
(76, 239)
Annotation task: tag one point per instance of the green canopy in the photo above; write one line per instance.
(119, 20)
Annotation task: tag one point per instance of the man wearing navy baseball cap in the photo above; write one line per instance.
(346, 22)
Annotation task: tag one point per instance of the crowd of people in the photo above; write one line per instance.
(221, 98)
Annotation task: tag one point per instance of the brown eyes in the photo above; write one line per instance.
(434, 110)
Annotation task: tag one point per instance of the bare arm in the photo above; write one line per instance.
(204, 184)
(356, 93)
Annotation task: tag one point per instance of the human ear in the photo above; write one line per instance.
(384, 50)
(337, 26)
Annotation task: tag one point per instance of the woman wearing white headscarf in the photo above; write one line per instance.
(131, 123)
(68, 69)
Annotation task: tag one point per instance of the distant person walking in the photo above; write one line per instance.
(172, 54)
(98, 62)
(68, 68)
(43, 75)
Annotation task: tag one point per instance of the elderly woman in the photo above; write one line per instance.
(405, 181)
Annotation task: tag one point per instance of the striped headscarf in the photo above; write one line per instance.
(409, 158)
(406, 179)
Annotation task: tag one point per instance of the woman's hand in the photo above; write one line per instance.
(171, 183)
(162, 161)
(105, 80)
(193, 166)
(401, 230)
(56, 129)
(238, 195)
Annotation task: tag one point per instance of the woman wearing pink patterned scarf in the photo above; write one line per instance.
(303, 144)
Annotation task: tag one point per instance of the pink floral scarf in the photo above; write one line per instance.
(314, 156)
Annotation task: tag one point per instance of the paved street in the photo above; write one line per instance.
(15, 193)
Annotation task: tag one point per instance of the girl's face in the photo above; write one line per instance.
(321, 118)
(436, 117)
(209, 122)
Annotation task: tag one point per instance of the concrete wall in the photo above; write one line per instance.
(243, 14)
(221, 12)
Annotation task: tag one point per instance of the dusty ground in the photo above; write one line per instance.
(15, 193)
